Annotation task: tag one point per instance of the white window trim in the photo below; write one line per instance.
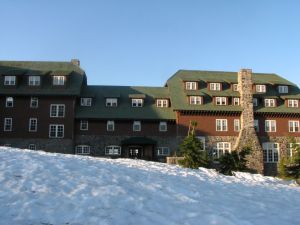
(34, 80)
(9, 100)
(137, 102)
(56, 130)
(237, 125)
(36, 124)
(266, 150)
(270, 125)
(162, 151)
(137, 123)
(261, 88)
(85, 101)
(293, 103)
(163, 124)
(215, 86)
(191, 85)
(5, 124)
(222, 127)
(293, 126)
(116, 150)
(235, 87)
(111, 102)
(37, 102)
(58, 80)
(220, 146)
(57, 110)
(9, 80)
(80, 150)
(221, 101)
(236, 101)
(162, 103)
(195, 100)
(270, 102)
(84, 122)
(110, 123)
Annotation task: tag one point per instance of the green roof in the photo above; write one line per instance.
(124, 110)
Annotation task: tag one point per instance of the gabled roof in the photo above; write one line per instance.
(124, 110)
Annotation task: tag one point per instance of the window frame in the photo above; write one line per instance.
(116, 150)
(261, 88)
(222, 125)
(162, 151)
(10, 124)
(219, 100)
(283, 89)
(34, 99)
(256, 125)
(112, 124)
(267, 150)
(162, 103)
(195, 100)
(85, 101)
(270, 102)
(215, 86)
(34, 80)
(255, 101)
(272, 123)
(236, 101)
(9, 102)
(10, 80)
(162, 124)
(82, 150)
(293, 103)
(84, 125)
(137, 102)
(30, 147)
(236, 125)
(235, 87)
(222, 146)
(191, 85)
(58, 80)
(111, 102)
(293, 126)
(136, 123)
(56, 114)
(33, 125)
(57, 131)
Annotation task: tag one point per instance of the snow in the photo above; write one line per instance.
(44, 188)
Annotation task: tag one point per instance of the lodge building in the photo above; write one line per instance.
(49, 106)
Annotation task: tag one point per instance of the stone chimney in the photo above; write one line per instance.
(75, 62)
(247, 136)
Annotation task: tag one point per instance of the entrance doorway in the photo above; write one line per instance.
(135, 152)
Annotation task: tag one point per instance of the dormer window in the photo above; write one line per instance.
(293, 103)
(163, 126)
(86, 101)
(215, 86)
(110, 126)
(255, 102)
(269, 102)
(9, 80)
(136, 126)
(261, 88)
(34, 80)
(190, 85)
(235, 87)
(59, 80)
(9, 103)
(221, 101)
(283, 89)
(195, 100)
(236, 101)
(137, 102)
(162, 103)
(111, 102)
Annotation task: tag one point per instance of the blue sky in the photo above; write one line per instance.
(140, 42)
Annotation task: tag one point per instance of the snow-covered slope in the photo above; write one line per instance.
(44, 188)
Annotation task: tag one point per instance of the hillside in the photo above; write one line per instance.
(43, 188)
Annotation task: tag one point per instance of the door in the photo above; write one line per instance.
(135, 152)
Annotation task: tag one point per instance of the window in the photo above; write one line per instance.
(270, 125)
(236, 101)
(293, 126)
(56, 131)
(57, 110)
(82, 150)
(293, 103)
(190, 85)
(255, 102)
(271, 152)
(283, 89)
(32, 146)
(221, 101)
(32, 124)
(34, 80)
(292, 148)
(256, 125)
(202, 140)
(34, 102)
(163, 126)
(161, 151)
(111, 102)
(215, 86)
(136, 126)
(9, 103)
(195, 100)
(162, 103)
(261, 88)
(221, 125)
(270, 102)
(237, 125)
(7, 124)
(86, 101)
(235, 87)
(137, 102)
(10, 80)
(59, 80)
(110, 126)
(113, 150)
(221, 149)
(84, 124)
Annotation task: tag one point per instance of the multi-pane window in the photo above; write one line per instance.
(136, 126)
(195, 100)
(84, 124)
(86, 101)
(269, 102)
(271, 152)
(162, 103)
(34, 102)
(256, 125)
(10, 80)
(293, 103)
(83, 149)
(270, 125)
(111, 102)
(57, 110)
(293, 126)
(56, 131)
(236, 125)
(161, 151)
(32, 125)
(235, 87)
(7, 124)
(221, 149)
(59, 80)
(283, 89)
(34, 80)
(9, 102)
(190, 85)
(221, 101)
(110, 126)
(113, 150)
(221, 125)
(261, 88)
(215, 86)
(163, 126)
(32, 146)
(236, 101)
(255, 101)
(292, 148)
(137, 102)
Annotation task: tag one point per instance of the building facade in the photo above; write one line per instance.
(49, 106)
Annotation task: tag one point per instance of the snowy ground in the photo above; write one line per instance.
(43, 188)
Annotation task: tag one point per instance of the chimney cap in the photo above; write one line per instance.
(246, 70)
(75, 62)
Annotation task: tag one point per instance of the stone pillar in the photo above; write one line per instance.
(247, 136)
